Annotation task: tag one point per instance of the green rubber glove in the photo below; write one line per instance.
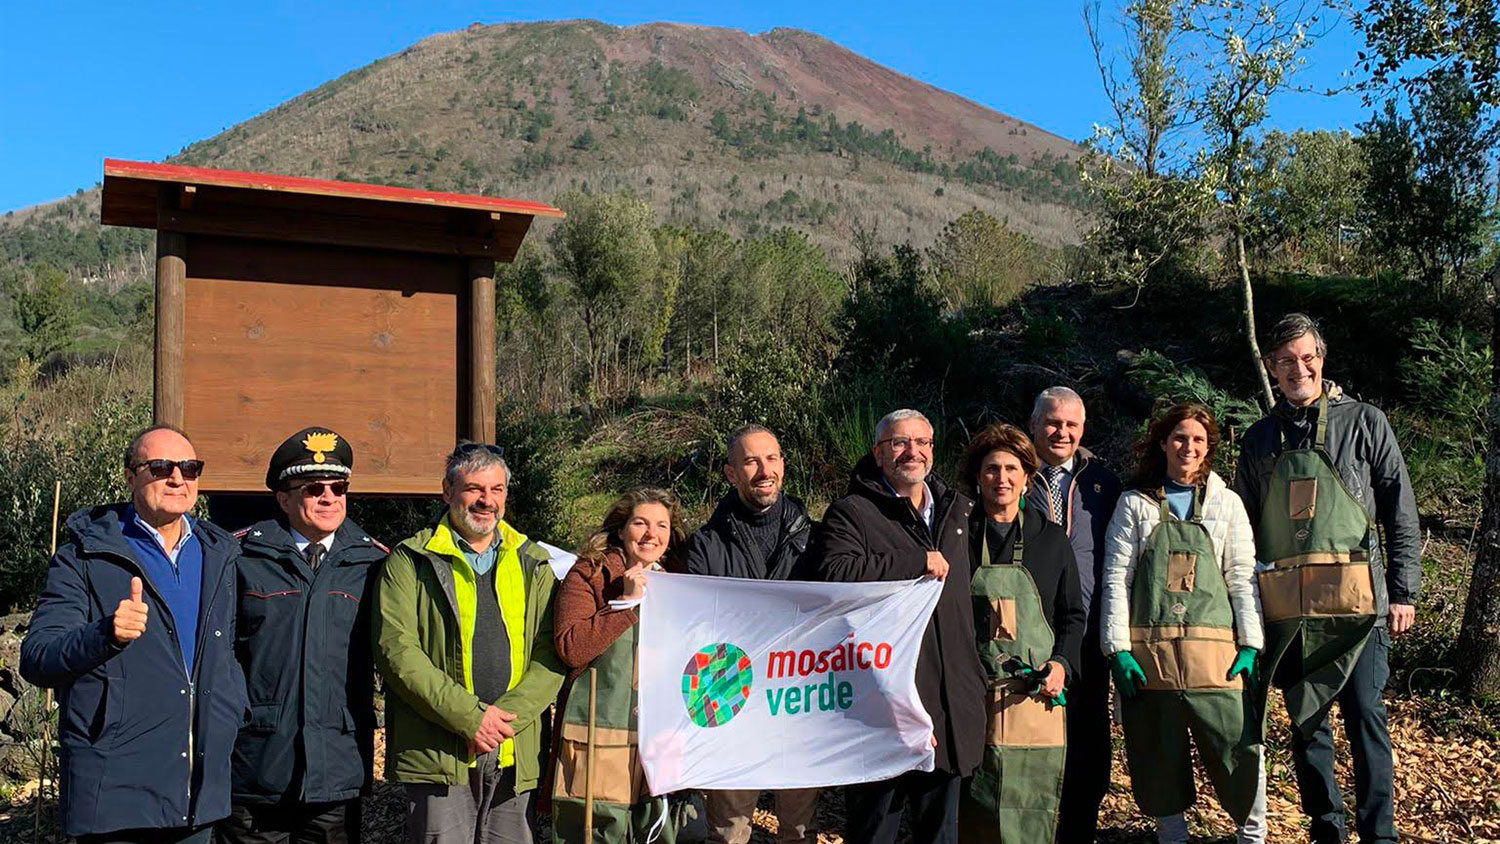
(1244, 663)
(1129, 678)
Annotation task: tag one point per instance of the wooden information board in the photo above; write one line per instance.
(284, 302)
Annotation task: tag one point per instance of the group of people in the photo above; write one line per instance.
(216, 684)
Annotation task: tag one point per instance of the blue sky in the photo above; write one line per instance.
(83, 81)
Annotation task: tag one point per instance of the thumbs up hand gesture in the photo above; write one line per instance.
(130, 615)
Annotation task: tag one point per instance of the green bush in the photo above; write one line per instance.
(85, 456)
(768, 382)
(1170, 383)
(1448, 377)
(1444, 428)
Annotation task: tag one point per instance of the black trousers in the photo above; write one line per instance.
(1363, 711)
(873, 809)
(1086, 772)
(171, 835)
(297, 823)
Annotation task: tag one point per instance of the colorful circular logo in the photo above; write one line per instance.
(716, 684)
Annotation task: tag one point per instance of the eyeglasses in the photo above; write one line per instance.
(904, 443)
(465, 449)
(1291, 363)
(314, 489)
(162, 468)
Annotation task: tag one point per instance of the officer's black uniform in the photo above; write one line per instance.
(303, 638)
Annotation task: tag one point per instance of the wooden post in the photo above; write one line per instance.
(588, 769)
(171, 283)
(482, 350)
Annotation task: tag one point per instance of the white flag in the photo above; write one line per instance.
(755, 684)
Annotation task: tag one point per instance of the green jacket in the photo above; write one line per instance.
(421, 626)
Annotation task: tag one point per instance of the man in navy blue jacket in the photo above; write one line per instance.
(1077, 491)
(135, 629)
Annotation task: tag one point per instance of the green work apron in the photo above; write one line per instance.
(1182, 634)
(1012, 797)
(1316, 592)
(624, 810)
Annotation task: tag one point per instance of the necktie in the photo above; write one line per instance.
(1059, 512)
(314, 554)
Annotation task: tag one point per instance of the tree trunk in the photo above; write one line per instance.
(1478, 648)
(1256, 360)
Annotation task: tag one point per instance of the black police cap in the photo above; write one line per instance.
(310, 453)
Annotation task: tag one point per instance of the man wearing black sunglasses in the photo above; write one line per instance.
(305, 757)
(134, 628)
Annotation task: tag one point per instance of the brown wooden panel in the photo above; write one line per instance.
(297, 225)
(372, 344)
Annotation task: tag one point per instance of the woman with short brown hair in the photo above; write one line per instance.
(1029, 625)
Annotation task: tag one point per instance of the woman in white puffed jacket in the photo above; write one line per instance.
(1174, 459)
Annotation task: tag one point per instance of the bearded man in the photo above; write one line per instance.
(463, 638)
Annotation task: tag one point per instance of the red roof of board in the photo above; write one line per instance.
(322, 187)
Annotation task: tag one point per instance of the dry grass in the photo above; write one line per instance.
(1447, 790)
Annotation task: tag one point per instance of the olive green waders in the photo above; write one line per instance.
(1182, 634)
(624, 810)
(1318, 594)
(1012, 797)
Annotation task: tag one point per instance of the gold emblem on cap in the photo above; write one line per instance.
(318, 444)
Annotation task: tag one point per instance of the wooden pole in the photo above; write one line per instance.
(171, 283)
(41, 768)
(482, 350)
(588, 766)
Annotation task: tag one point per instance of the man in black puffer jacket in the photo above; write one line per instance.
(760, 532)
(899, 521)
(303, 638)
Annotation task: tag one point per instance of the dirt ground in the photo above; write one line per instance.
(1447, 790)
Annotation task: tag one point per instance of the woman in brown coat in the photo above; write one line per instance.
(594, 628)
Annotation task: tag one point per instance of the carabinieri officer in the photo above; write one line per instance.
(304, 759)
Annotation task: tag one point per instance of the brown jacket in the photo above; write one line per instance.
(583, 627)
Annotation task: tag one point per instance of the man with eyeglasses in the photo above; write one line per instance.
(463, 639)
(135, 629)
(900, 521)
(303, 638)
(1317, 476)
